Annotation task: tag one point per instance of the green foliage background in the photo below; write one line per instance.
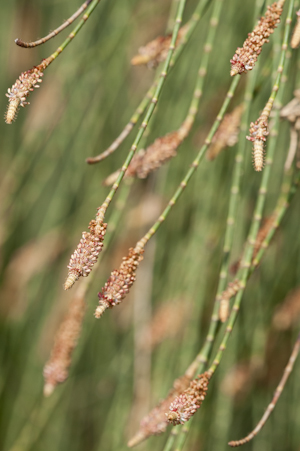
(49, 195)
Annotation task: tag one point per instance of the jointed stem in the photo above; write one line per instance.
(244, 271)
(54, 33)
(163, 75)
(73, 33)
(191, 25)
(193, 167)
(278, 391)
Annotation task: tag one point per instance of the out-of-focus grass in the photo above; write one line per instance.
(86, 97)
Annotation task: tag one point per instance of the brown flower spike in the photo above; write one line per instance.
(86, 254)
(119, 282)
(19, 92)
(57, 368)
(155, 422)
(245, 57)
(156, 51)
(154, 156)
(187, 404)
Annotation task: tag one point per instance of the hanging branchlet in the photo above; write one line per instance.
(56, 369)
(55, 32)
(156, 51)
(187, 403)
(18, 93)
(86, 253)
(119, 282)
(246, 56)
(295, 41)
(156, 422)
(287, 371)
(227, 133)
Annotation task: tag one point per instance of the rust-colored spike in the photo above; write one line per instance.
(245, 57)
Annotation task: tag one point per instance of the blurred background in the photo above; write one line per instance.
(48, 195)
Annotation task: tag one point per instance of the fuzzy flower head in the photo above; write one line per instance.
(245, 57)
(119, 282)
(187, 403)
(18, 93)
(86, 254)
(155, 422)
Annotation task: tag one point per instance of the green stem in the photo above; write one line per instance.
(163, 76)
(246, 263)
(193, 167)
(191, 25)
(73, 33)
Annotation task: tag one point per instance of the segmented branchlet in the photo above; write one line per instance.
(287, 371)
(55, 32)
(245, 57)
(295, 41)
(86, 254)
(19, 92)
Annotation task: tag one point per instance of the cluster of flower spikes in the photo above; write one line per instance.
(187, 403)
(19, 92)
(119, 282)
(86, 253)
(246, 56)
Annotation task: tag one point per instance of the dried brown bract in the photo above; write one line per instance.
(227, 133)
(187, 403)
(156, 51)
(19, 92)
(246, 56)
(156, 422)
(86, 254)
(56, 369)
(119, 282)
(295, 41)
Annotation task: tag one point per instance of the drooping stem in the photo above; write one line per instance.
(190, 26)
(244, 271)
(28, 45)
(193, 167)
(160, 84)
(287, 371)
